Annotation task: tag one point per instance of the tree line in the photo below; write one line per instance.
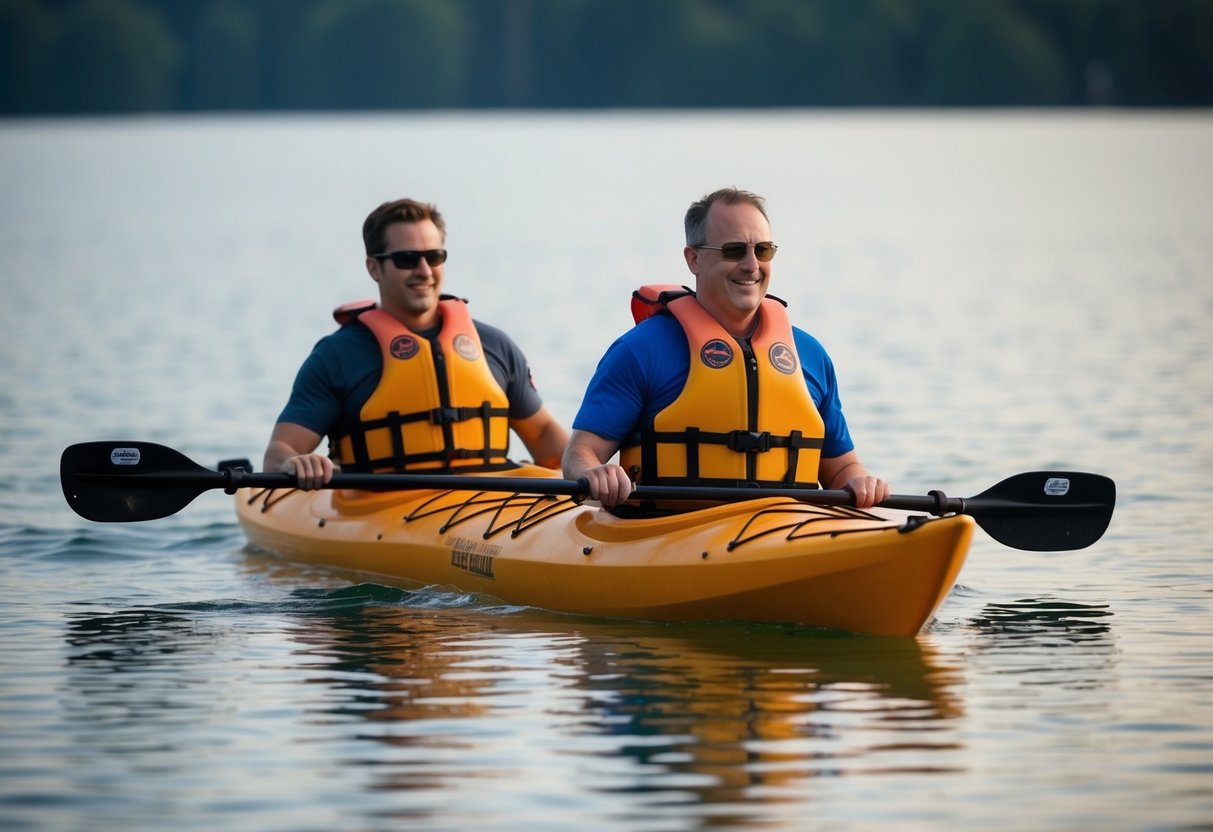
(116, 56)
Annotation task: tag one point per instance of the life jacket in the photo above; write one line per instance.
(696, 439)
(456, 414)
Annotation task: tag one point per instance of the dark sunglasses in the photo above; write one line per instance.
(735, 251)
(406, 259)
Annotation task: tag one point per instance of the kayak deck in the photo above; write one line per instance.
(770, 560)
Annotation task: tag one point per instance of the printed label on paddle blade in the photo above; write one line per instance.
(1057, 486)
(124, 456)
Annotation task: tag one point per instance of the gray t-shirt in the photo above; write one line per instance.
(344, 369)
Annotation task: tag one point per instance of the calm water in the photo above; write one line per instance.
(1000, 293)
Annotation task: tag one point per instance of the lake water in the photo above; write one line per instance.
(1000, 292)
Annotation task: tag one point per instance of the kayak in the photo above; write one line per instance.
(751, 554)
(782, 555)
(773, 559)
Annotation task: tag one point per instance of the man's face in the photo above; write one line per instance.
(411, 294)
(731, 290)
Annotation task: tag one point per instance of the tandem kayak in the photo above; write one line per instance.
(773, 559)
(753, 554)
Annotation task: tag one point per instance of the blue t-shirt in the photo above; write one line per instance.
(344, 369)
(646, 368)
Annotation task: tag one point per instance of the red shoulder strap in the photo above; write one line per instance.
(347, 313)
(647, 301)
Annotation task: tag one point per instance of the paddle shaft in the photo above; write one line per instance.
(233, 479)
(130, 481)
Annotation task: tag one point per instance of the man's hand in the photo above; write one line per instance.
(312, 471)
(609, 484)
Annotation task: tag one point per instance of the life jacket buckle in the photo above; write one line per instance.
(746, 441)
(444, 415)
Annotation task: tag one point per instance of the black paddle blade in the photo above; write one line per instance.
(119, 482)
(1046, 511)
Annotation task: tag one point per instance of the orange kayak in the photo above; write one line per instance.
(771, 560)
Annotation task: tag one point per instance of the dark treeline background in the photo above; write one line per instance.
(109, 56)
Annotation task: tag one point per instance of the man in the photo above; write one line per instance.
(414, 383)
(711, 393)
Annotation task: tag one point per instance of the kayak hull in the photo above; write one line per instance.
(768, 560)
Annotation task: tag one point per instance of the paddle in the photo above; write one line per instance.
(1044, 511)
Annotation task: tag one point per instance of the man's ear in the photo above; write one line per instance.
(692, 258)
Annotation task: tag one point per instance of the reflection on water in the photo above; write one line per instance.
(423, 696)
(141, 674)
(1045, 619)
(747, 713)
(1056, 647)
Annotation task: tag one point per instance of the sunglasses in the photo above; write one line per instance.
(406, 259)
(763, 252)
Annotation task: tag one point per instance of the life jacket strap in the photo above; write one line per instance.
(394, 421)
(748, 441)
(450, 415)
(739, 441)
(742, 441)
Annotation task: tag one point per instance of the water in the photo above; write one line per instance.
(1001, 292)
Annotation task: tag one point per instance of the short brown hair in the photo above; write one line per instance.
(374, 229)
(696, 221)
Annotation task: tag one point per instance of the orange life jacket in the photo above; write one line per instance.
(437, 404)
(744, 416)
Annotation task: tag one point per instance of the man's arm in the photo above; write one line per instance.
(586, 458)
(290, 451)
(846, 471)
(543, 436)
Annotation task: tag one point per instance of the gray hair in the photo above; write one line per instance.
(696, 221)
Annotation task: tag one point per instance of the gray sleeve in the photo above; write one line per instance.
(509, 366)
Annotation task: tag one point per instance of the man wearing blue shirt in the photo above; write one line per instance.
(642, 381)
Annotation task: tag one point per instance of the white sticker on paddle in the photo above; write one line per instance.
(1057, 486)
(124, 456)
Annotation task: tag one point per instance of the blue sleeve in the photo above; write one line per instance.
(640, 374)
(819, 374)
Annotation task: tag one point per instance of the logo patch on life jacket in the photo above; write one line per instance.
(716, 354)
(782, 358)
(404, 346)
(466, 347)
